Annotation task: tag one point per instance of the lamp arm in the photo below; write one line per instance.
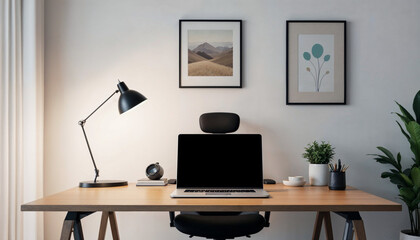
(91, 154)
(116, 91)
(82, 125)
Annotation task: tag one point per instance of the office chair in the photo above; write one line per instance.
(219, 225)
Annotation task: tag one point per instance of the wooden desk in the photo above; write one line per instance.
(80, 202)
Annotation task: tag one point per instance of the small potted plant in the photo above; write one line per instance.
(319, 155)
(407, 180)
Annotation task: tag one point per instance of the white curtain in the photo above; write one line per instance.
(21, 116)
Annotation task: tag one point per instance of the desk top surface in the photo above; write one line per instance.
(156, 198)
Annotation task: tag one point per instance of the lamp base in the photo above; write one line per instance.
(103, 183)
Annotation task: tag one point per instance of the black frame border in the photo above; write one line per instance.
(287, 62)
(240, 50)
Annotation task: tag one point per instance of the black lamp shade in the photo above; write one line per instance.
(129, 98)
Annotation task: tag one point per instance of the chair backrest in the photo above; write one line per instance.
(219, 122)
(210, 224)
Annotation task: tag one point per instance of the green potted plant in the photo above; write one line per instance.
(407, 180)
(318, 155)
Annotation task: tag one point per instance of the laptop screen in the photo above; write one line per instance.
(219, 161)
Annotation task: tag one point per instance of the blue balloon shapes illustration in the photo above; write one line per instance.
(317, 52)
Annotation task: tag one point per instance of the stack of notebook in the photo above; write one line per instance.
(148, 182)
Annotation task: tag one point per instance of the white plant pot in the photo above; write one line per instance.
(405, 236)
(318, 174)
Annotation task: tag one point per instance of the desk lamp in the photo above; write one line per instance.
(128, 99)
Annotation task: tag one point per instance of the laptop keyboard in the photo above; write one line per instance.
(220, 190)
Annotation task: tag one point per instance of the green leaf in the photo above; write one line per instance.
(397, 180)
(407, 194)
(403, 131)
(409, 197)
(407, 180)
(385, 160)
(387, 175)
(415, 175)
(408, 202)
(387, 153)
(416, 201)
(388, 159)
(403, 118)
(407, 171)
(416, 190)
(416, 106)
(405, 113)
(413, 129)
(399, 159)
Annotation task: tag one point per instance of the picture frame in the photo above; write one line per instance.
(315, 62)
(210, 53)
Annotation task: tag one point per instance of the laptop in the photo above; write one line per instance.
(219, 166)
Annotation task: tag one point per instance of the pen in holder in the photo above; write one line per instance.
(337, 176)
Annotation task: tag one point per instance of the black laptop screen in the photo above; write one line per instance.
(219, 161)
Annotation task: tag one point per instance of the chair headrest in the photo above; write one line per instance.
(219, 122)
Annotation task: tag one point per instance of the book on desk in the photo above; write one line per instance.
(148, 182)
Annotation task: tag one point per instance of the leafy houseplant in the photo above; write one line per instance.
(407, 180)
(318, 155)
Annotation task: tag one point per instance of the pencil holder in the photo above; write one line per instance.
(337, 181)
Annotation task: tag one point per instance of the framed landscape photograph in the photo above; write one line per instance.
(210, 53)
(315, 62)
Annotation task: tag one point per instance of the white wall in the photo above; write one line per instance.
(89, 44)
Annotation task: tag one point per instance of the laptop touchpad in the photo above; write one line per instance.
(217, 193)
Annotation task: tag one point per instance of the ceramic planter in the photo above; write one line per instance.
(318, 174)
(405, 236)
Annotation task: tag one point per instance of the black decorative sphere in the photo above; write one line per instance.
(154, 171)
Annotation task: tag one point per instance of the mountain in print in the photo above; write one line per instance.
(204, 55)
(207, 60)
(223, 49)
(207, 48)
(194, 57)
(225, 58)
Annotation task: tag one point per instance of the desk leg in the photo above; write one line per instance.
(326, 217)
(359, 228)
(318, 225)
(353, 220)
(114, 226)
(112, 222)
(102, 228)
(328, 226)
(72, 223)
(67, 230)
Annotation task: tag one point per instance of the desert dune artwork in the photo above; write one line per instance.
(210, 53)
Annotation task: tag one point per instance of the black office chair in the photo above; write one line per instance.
(219, 225)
